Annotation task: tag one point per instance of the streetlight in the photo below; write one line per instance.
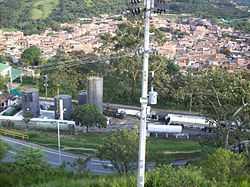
(46, 85)
(58, 130)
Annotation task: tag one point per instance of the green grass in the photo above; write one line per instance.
(158, 149)
(41, 9)
(87, 142)
(163, 150)
(167, 150)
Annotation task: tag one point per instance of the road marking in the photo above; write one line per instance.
(44, 150)
(92, 161)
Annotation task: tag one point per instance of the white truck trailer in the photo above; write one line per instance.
(199, 122)
(158, 128)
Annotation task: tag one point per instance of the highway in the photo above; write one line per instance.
(51, 156)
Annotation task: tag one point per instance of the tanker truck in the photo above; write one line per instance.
(159, 128)
(199, 122)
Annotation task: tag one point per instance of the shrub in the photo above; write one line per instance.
(8, 124)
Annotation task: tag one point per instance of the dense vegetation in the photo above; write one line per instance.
(220, 168)
(207, 8)
(34, 16)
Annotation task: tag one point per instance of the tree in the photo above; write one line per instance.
(225, 99)
(224, 166)
(31, 160)
(3, 58)
(128, 39)
(88, 115)
(26, 118)
(4, 148)
(3, 82)
(31, 56)
(67, 72)
(121, 148)
(80, 164)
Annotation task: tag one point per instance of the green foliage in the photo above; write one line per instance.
(2, 59)
(8, 124)
(3, 82)
(31, 56)
(128, 36)
(35, 16)
(224, 166)
(121, 148)
(80, 164)
(88, 115)
(26, 118)
(169, 176)
(172, 69)
(208, 9)
(68, 79)
(4, 148)
(31, 160)
(41, 9)
(225, 51)
(224, 99)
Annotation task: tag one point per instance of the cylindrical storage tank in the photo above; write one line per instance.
(82, 98)
(30, 102)
(164, 128)
(67, 106)
(95, 92)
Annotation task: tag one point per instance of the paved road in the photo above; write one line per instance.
(52, 156)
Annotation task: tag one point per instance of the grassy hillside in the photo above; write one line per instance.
(34, 16)
(41, 9)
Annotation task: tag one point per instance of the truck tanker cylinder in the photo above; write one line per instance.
(175, 129)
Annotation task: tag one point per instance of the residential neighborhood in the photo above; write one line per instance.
(199, 46)
(108, 93)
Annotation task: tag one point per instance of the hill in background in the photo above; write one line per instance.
(34, 16)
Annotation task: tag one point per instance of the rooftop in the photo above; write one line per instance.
(3, 66)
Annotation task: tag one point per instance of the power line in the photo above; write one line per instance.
(73, 63)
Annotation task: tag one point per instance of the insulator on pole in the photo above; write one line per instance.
(135, 1)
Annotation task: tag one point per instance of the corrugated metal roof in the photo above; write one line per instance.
(15, 73)
(3, 66)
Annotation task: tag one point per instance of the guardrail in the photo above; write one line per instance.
(14, 134)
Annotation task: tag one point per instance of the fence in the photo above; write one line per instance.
(14, 134)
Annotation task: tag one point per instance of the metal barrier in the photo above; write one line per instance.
(14, 134)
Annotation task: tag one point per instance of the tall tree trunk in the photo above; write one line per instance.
(226, 141)
(133, 89)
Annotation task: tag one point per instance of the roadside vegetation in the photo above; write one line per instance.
(160, 150)
(221, 168)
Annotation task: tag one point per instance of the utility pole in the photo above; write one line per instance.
(58, 131)
(144, 97)
(46, 85)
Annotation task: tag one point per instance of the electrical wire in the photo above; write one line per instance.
(68, 64)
